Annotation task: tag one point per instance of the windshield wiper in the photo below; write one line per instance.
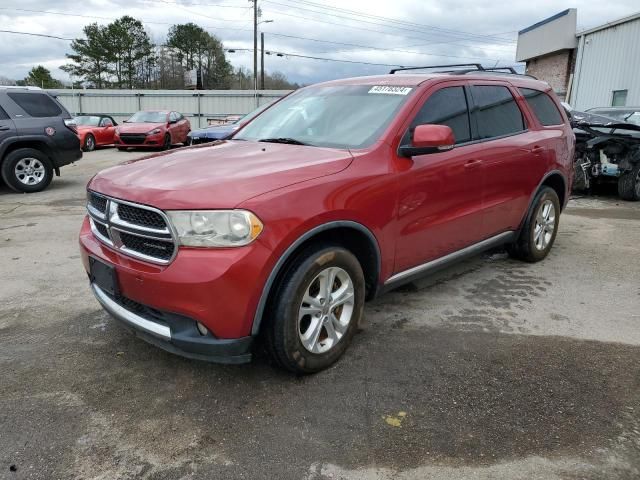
(287, 140)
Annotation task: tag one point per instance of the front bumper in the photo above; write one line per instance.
(219, 288)
(173, 333)
(139, 140)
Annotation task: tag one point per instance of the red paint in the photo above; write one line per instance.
(417, 208)
(102, 135)
(177, 131)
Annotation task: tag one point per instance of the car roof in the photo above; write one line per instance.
(416, 79)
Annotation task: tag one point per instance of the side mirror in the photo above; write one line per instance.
(429, 139)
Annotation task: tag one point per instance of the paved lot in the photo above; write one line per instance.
(492, 370)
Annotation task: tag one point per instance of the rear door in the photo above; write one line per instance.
(509, 153)
(440, 203)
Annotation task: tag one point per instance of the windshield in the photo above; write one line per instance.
(148, 117)
(343, 116)
(87, 120)
(630, 116)
(254, 113)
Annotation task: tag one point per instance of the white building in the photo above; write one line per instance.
(598, 67)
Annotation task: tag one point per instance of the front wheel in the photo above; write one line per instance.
(27, 170)
(629, 184)
(540, 228)
(167, 142)
(89, 143)
(317, 309)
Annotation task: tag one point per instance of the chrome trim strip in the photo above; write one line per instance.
(98, 235)
(128, 317)
(452, 257)
(111, 220)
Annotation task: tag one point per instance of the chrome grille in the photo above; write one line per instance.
(133, 229)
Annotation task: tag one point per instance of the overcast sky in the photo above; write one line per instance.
(415, 32)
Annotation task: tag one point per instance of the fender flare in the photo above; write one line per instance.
(537, 189)
(257, 318)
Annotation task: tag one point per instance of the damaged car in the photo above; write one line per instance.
(607, 150)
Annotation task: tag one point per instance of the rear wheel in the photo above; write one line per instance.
(629, 184)
(89, 143)
(27, 170)
(540, 228)
(316, 311)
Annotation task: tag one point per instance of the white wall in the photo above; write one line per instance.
(607, 60)
(199, 106)
(550, 35)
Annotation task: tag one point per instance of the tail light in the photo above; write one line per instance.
(71, 125)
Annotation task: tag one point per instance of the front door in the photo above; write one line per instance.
(440, 203)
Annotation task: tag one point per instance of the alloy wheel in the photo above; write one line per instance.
(545, 225)
(29, 171)
(326, 310)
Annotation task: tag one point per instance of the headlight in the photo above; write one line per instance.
(155, 131)
(215, 228)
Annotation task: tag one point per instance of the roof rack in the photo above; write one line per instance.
(474, 68)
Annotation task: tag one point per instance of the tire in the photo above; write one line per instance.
(289, 336)
(167, 142)
(629, 184)
(27, 170)
(531, 245)
(89, 143)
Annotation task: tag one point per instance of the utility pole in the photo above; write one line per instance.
(255, 44)
(261, 60)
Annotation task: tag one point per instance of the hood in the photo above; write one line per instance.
(216, 131)
(139, 127)
(220, 176)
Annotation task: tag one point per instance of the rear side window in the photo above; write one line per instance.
(542, 106)
(36, 104)
(447, 106)
(497, 111)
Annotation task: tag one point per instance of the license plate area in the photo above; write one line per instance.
(103, 275)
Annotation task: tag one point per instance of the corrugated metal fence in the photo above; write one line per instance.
(201, 107)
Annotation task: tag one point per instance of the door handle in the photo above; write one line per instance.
(537, 150)
(473, 163)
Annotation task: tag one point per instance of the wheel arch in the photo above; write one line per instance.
(555, 180)
(352, 235)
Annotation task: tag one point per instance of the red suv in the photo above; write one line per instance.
(338, 192)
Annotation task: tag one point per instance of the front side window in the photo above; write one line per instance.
(36, 104)
(542, 106)
(447, 106)
(497, 111)
(337, 116)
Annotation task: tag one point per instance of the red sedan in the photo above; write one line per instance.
(95, 131)
(152, 129)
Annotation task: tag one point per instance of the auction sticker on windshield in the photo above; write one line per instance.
(390, 90)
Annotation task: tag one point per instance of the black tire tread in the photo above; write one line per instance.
(6, 169)
(627, 184)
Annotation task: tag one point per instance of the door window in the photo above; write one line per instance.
(496, 110)
(447, 106)
(543, 107)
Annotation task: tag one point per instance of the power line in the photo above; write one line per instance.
(404, 26)
(36, 35)
(369, 47)
(325, 7)
(299, 55)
